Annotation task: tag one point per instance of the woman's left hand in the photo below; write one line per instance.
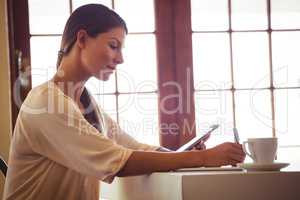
(201, 145)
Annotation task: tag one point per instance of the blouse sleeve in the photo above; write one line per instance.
(63, 135)
(122, 138)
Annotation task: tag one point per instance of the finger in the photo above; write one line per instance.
(234, 162)
(237, 146)
(237, 155)
(196, 148)
(238, 151)
(200, 145)
(237, 158)
(231, 162)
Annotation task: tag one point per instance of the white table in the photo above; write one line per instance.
(225, 185)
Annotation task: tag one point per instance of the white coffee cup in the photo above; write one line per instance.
(261, 150)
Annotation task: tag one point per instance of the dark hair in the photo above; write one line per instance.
(94, 19)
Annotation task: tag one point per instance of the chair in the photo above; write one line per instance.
(3, 166)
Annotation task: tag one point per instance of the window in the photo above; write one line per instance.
(229, 62)
(246, 72)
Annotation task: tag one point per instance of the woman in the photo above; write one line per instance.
(64, 143)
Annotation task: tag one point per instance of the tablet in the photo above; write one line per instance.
(196, 140)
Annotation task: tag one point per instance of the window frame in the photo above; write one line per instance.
(175, 62)
(19, 52)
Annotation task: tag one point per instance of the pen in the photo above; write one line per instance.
(236, 135)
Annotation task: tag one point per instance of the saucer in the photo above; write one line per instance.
(262, 167)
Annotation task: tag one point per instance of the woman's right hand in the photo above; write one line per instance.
(224, 154)
(145, 162)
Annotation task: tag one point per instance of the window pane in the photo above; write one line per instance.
(214, 107)
(211, 59)
(96, 86)
(48, 17)
(287, 107)
(285, 14)
(209, 15)
(43, 52)
(139, 15)
(108, 104)
(286, 60)
(139, 117)
(251, 60)
(138, 73)
(249, 14)
(253, 113)
(77, 3)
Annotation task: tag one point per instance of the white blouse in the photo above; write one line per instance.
(57, 154)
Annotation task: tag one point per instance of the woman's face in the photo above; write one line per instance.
(101, 55)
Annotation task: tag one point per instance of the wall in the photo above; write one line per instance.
(5, 124)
